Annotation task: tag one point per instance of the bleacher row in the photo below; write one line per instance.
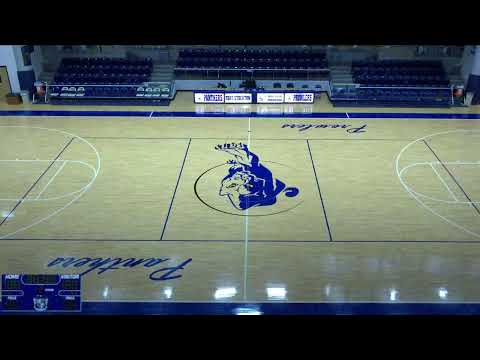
(394, 83)
(248, 61)
(97, 71)
(252, 53)
(400, 73)
(115, 81)
(390, 94)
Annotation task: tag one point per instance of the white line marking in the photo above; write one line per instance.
(286, 301)
(151, 114)
(97, 170)
(399, 174)
(347, 115)
(7, 214)
(245, 255)
(51, 180)
(32, 160)
(443, 182)
(404, 170)
(95, 173)
(333, 117)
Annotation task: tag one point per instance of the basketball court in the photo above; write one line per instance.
(155, 208)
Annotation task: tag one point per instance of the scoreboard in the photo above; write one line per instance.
(40, 293)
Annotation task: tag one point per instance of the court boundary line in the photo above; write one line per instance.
(235, 138)
(191, 114)
(319, 191)
(272, 307)
(285, 302)
(254, 241)
(453, 177)
(175, 191)
(36, 182)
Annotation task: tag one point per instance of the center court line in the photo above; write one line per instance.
(453, 177)
(175, 191)
(36, 182)
(245, 255)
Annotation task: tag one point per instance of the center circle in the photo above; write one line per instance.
(205, 192)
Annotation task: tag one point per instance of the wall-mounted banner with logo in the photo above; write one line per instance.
(301, 98)
(238, 98)
(270, 98)
(209, 98)
(225, 97)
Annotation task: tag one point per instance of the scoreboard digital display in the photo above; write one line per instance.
(40, 293)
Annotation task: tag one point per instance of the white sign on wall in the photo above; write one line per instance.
(238, 98)
(305, 98)
(270, 98)
(209, 98)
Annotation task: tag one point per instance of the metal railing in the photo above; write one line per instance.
(353, 89)
(78, 94)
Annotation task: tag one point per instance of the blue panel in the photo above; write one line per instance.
(26, 79)
(413, 116)
(473, 85)
(74, 113)
(332, 115)
(138, 308)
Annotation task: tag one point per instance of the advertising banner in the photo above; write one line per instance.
(270, 98)
(209, 98)
(300, 98)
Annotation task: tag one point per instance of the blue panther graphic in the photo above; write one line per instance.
(248, 182)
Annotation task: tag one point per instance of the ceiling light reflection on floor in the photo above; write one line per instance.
(443, 293)
(247, 311)
(168, 291)
(276, 293)
(225, 292)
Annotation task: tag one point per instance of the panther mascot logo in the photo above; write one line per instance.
(249, 183)
(40, 303)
